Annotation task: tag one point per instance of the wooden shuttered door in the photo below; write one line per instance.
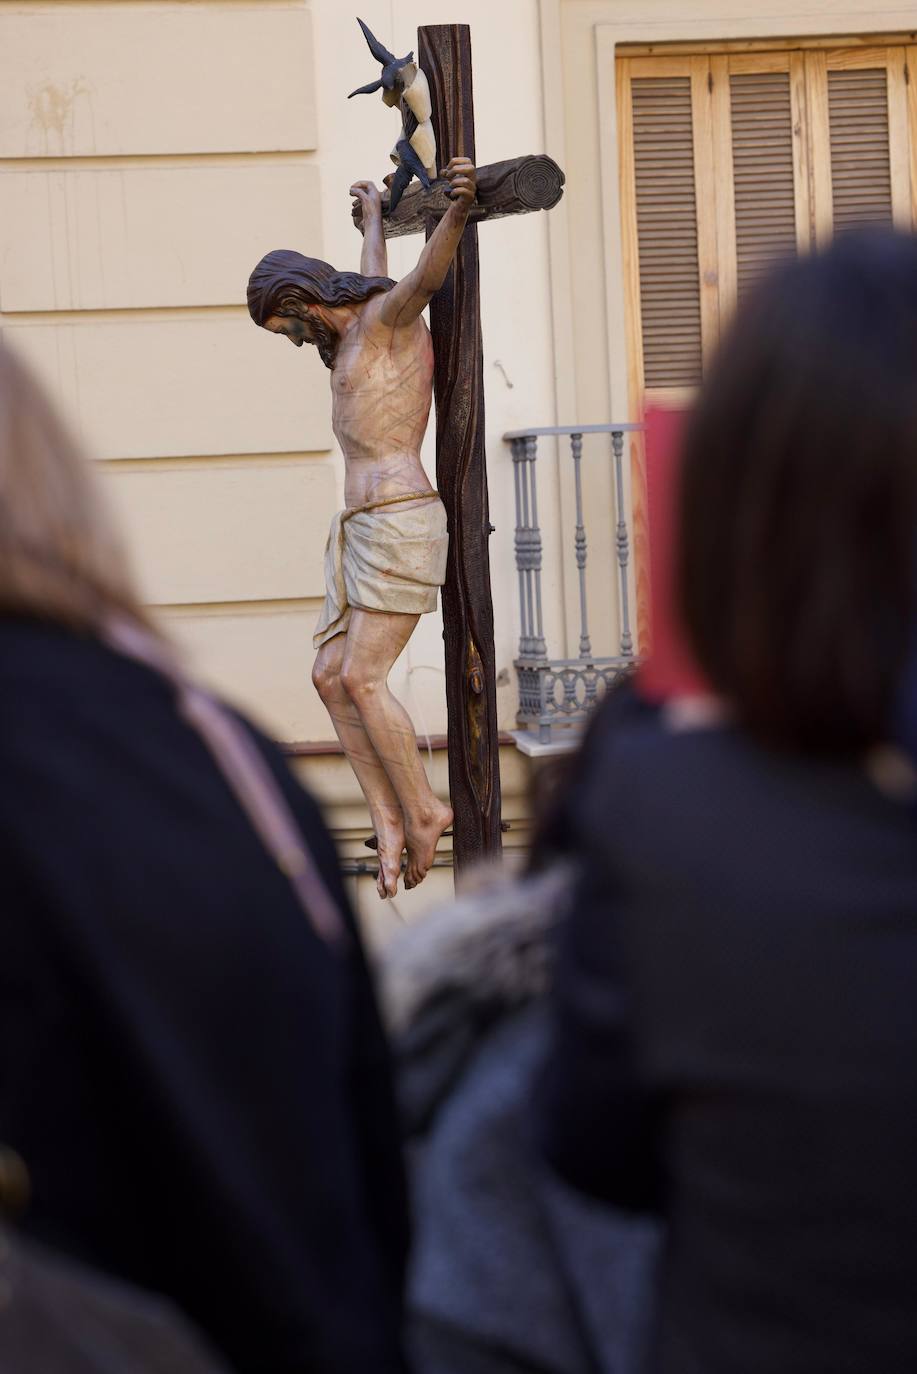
(731, 161)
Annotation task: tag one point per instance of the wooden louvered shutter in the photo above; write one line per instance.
(761, 161)
(769, 163)
(860, 138)
(861, 183)
(669, 227)
(666, 205)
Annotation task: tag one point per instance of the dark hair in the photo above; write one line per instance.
(284, 282)
(61, 557)
(798, 501)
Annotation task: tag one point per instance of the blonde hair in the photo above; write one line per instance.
(61, 558)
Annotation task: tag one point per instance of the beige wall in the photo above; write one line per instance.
(149, 156)
(150, 153)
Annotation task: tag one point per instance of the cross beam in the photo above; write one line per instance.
(504, 188)
(514, 187)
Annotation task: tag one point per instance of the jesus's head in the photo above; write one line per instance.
(297, 296)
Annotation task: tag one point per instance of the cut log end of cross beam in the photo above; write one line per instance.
(504, 188)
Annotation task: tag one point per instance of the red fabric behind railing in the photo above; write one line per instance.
(669, 670)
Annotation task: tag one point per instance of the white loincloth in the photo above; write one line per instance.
(380, 557)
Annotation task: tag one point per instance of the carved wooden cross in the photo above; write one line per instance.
(505, 188)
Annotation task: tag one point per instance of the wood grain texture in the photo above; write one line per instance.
(856, 59)
(517, 186)
(725, 200)
(707, 47)
(635, 377)
(629, 238)
(705, 182)
(898, 140)
(802, 175)
(820, 146)
(911, 79)
(444, 53)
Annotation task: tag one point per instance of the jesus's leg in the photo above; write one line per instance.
(384, 806)
(374, 641)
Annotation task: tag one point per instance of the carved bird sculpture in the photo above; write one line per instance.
(391, 65)
(404, 85)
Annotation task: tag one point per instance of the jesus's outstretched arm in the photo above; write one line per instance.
(409, 298)
(374, 258)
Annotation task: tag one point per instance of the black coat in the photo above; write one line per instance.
(735, 1044)
(199, 1085)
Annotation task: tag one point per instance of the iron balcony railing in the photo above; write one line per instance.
(562, 691)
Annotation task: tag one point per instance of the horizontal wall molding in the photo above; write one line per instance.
(214, 461)
(276, 605)
(298, 157)
(27, 7)
(310, 749)
(135, 314)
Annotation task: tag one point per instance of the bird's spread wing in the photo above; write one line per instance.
(366, 90)
(381, 54)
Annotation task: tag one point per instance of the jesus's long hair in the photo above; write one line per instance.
(285, 282)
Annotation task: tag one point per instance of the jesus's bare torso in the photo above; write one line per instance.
(382, 390)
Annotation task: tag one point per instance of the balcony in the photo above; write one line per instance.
(556, 695)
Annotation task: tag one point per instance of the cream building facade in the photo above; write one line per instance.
(152, 150)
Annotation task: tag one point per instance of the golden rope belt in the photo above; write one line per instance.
(390, 501)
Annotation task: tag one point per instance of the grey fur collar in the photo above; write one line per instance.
(491, 945)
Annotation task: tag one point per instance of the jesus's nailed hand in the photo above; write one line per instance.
(367, 199)
(463, 182)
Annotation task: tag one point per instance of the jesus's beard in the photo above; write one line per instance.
(325, 340)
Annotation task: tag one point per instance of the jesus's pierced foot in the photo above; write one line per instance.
(423, 829)
(390, 846)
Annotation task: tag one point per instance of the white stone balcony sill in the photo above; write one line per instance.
(565, 741)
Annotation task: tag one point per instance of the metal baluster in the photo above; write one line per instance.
(623, 543)
(538, 645)
(527, 552)
(518, 478)
(585, 643)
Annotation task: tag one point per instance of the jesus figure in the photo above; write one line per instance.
(386, 552)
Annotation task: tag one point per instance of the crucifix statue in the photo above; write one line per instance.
(399, 539)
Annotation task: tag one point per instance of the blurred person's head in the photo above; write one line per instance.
(60, 557)
(798, 503)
